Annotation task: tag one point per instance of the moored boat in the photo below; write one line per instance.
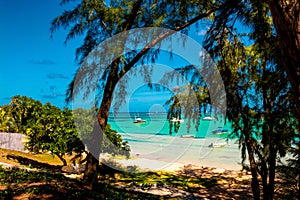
(217, 144)
(138, 120)
(208, 118)
(187, 136)
(176, 120)
(220, 131)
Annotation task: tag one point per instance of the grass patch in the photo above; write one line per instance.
(10, 157)
(41, 185)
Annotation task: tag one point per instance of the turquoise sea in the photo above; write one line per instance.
(157, 124)
(151, 140)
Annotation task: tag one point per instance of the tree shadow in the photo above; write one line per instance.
(186, 183)
(218, 185)
(22, 184)
(110, 170)
(35, 164)
(118, 181)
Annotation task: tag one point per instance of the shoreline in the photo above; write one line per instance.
(160, 152)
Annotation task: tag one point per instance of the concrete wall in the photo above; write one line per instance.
(13, 141)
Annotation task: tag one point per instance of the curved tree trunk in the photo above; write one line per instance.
(91, 172)
(114, 77)
(94, 143)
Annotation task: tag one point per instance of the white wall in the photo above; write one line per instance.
(13, 141)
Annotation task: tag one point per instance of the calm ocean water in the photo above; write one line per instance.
(151, 140)
(157, 124)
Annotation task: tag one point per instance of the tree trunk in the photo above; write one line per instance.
(286, 19)
(268, 174)
(272, 168)
(267, 163)
(93, 143)
(95, 140)
(264, 179)
(253, 168)
(92, 164)
(111, 82)
(91, 171)
(268, 169)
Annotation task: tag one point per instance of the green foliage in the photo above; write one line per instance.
(98, 21)
(19, 114)
(50, 129)
(6, 120)
(190, 101)
(54, 131)
(113, 143)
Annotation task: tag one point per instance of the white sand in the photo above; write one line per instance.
(172, 153)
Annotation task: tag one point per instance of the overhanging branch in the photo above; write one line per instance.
(148, 46)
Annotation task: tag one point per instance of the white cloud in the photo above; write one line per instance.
(202, 32)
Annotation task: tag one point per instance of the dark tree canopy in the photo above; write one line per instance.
(247, 67)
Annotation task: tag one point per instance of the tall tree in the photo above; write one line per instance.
(286, 19)
(99, 21)
(259, 109)
(275, 101)
(284, 16)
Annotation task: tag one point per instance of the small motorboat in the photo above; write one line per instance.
(217, 144)
(187, 136)
(174, 120)
(138, 120)
(220, 131)
(208, 118)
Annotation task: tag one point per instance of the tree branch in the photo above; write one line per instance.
(148, 46)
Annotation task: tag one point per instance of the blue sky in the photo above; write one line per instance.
(34, 65)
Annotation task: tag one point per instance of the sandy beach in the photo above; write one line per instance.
(189, 157)
(152, 152)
